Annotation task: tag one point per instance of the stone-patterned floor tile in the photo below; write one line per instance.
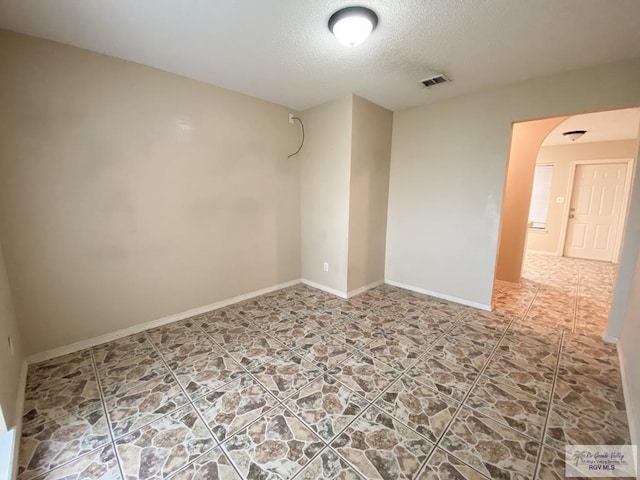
(281, 320)
(46, 446)
(475, 333)
(425, 410)
(539, 352)
(491, 320)
(365, 375)
(430, 320)
(255, 350)
(213, 465)
(164, 446)
(59, 387)
(291, 333)
(450, 309)
(444, 466)
(489, 447)
(587, 350)
(589, 399)
(357, 333)
(174, 335)
(313, 318)
(276, 446)
(566, 427)
(552, 465)
(193, 344)
(118, 378)
(232, 326)
(380, 447)
(203, 372)
(138, 403)
(322, 350)
(63, 403)
(286, 374)
(509, 405)
(228, 340)
(461, 352)
(445, 377)
(123, 350)
(100, 464)
(326, 406)
(329, 466)
(418, 332)
(59, 370)
(601, 377)
(232, 407)
(398, 354)
(528, 378)
(253, 309)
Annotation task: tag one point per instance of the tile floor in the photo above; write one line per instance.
(300, 384)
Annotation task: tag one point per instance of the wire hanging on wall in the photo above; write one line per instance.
(301, 143)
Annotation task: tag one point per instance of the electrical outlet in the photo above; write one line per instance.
(325, 266)
(291, 118)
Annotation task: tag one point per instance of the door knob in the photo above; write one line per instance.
(571, 215)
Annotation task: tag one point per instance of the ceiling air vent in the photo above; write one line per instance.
(431, 81)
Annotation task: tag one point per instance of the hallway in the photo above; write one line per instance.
(560, 293)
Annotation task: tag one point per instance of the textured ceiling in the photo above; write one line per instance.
(600, 126)
(282, 51)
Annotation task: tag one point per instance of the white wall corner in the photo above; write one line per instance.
(324, 288)
(109, 337)
(442, 296)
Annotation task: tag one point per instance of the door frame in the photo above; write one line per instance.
(624, 208)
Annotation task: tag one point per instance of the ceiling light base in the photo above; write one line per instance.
(353, 25)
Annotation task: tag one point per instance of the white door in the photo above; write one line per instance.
(596, 206)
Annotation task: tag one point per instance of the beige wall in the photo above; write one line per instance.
(448, 165)
(10, 363)
(369, 189)
(561, 156)
(526, 139)
(128, 194)
(324, 192)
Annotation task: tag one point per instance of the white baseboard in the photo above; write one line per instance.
(368, 286)
(542, 252)
(108, 337)
(505, 282)
(450, 298)
(10, 441)
(324, 288)
(632, 416)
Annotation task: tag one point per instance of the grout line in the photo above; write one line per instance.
(475, 382)
(549, 406)
(190, 402)
(480, 374)
(106, 413)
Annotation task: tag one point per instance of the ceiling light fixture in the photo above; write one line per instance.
(574, 135)
(352, 25)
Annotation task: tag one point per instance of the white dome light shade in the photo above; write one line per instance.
(352, 25)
